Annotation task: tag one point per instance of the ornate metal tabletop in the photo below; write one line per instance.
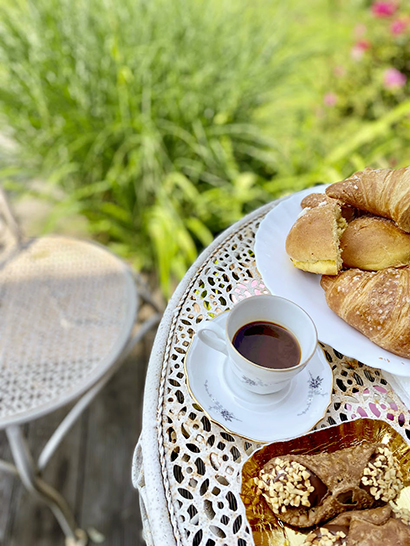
(188, 468)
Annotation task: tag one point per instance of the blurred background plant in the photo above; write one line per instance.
(162, 122)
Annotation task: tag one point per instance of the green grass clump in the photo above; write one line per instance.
(143, 113)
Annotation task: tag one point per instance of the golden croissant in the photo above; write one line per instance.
(384, 192)
(377, 304)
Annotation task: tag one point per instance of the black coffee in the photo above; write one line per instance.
(267, 344)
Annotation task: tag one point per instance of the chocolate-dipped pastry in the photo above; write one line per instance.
(377, 479)
(304, 490)
(329, 535)
(385, 525)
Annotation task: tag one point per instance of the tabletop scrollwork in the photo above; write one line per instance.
(201, 462)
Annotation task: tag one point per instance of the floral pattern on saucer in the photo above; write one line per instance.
(225, 414)
(315, 389)
(253, 382)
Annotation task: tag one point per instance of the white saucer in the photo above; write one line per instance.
(257, 417)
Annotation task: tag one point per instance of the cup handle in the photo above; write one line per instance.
(217, 341)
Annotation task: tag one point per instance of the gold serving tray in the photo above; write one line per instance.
(267, 530)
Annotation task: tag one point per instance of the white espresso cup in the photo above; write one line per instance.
(266, 308)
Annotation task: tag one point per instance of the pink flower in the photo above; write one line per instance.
(384, 8)
(398, 26)
(393, 78)
(359, 48)
(363, 44)
(330, 99)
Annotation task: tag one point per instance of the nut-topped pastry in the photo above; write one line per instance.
(382, 476)
(383, 525)
(291, 484)
(304, 490)
(331, 535)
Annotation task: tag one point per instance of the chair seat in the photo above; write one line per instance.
(67, 308)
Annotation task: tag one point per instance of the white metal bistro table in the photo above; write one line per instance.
(68, 309)
(187, 468)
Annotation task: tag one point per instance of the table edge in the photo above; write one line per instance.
(155, 489)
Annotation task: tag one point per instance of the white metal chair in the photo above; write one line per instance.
(68, 316)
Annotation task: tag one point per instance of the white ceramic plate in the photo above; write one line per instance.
(257, 417)
(281, 277)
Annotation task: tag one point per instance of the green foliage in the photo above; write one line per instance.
(163, 122)
(143, 113)
(365, 114)
(357, 118)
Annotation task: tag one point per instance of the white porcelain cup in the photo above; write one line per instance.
(274, 309)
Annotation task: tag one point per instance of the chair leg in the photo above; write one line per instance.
(34, 484)
(145, 293)
(89, 396)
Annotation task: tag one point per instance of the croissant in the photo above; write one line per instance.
(377, 304)
(384, 192)
(373, 243)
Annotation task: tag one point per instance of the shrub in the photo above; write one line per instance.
(366, 106)
(144, 113)
(164, 122)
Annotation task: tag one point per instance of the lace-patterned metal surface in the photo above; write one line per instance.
(200, 462)
(67, 309)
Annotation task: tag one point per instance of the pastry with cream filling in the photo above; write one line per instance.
(386, 525)
(313, 242)
(304, 490)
